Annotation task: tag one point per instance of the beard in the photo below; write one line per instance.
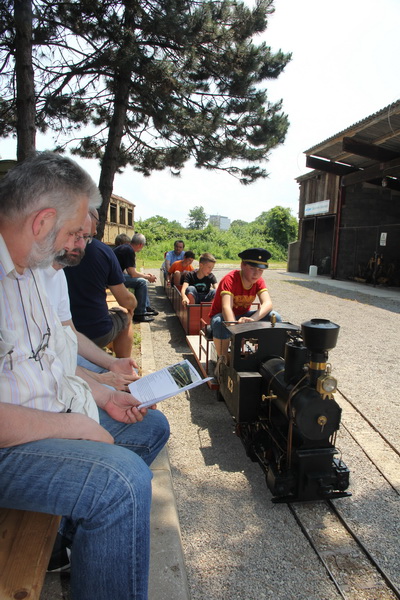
(67, 259)
(42, 253)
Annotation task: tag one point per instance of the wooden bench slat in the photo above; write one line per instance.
(26, 542)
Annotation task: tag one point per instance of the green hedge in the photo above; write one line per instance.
(224, 245)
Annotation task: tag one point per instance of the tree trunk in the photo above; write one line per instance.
(26, 102)
(122, 85)
(109, 163)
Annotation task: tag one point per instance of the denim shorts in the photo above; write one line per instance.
(200, 297)
(120, 321)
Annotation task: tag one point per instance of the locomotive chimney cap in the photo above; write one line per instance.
(256, 257)
(320, 335)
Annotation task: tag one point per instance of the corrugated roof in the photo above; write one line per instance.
(381, 129)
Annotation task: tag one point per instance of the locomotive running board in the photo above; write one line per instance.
(194, 342)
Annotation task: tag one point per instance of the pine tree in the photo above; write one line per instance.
(154, 84)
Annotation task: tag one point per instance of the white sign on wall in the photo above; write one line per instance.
(316, 208)
(383, 239)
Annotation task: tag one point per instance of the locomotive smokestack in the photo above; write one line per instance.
(319, 336)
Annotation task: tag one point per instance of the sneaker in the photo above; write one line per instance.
(142, 318)
(218, 367)
(60, 559)
(151, 311)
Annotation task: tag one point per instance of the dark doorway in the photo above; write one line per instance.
(317, 244)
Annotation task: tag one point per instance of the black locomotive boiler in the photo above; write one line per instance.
(279, 388)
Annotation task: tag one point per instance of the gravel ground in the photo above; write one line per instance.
(237, 544)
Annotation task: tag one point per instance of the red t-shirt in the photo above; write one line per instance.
(242, 298)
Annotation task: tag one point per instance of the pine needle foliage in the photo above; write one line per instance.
(150, 84)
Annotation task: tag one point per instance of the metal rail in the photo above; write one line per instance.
(395, 450)
(348, 563)
(316, 550)
(370, 557)
(370, 565)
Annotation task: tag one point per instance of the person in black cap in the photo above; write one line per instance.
(236, 293)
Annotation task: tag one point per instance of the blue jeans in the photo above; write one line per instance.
(201, 297)
(141, 292)
(104, 491)
(222, 333)
(83, 362)
(86, 364)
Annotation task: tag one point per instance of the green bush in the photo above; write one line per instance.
(273, 230)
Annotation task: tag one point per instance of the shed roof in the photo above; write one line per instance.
(381, 128)
(369, 150)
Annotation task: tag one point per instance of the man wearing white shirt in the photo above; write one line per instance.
(60, 451)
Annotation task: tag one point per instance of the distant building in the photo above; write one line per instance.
(5, 166)
(120, 219)
(222, 223)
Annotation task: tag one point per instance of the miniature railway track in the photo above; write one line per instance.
(370, 424)
(373, 443)
(353, 570)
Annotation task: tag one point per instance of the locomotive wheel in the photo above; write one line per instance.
(220, 397)
(243, 433)
(251, 454)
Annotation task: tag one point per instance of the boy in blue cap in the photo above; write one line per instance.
(236, 293)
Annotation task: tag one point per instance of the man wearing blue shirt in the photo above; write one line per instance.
(176, 254)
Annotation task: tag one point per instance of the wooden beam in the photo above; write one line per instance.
(391, 184)
(353, 146)
(26, 543)
(378, 171)
(328, 167)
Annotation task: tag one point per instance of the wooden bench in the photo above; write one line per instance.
(26, 542)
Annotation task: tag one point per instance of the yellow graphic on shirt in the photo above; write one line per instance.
(243, 301)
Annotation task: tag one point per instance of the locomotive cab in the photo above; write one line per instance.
(240, 381)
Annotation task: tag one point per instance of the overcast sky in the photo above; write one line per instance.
(344, 68)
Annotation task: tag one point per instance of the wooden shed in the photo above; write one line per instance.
(349, 205)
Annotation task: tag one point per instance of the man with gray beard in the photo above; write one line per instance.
(94, 363)
(63, 452)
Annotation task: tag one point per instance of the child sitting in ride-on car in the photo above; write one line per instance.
(180, 267)
(200, 285)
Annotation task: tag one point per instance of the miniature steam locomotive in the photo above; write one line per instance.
(284, 408)
(279, 388)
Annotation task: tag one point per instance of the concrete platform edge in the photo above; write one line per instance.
(349, 286)
(167, 566)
